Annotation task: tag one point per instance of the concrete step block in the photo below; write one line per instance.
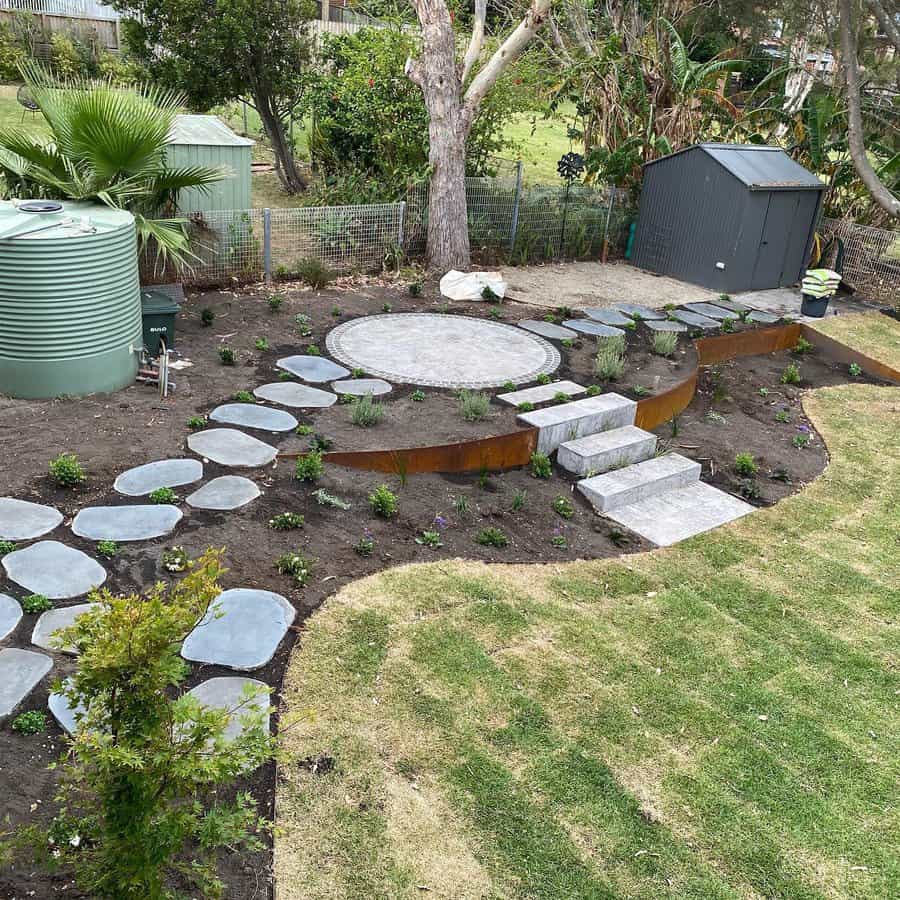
(542, 393)
(639, 481)
(569, 421)
(607, 450)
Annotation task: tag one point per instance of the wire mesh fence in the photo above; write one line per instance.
(871, 258)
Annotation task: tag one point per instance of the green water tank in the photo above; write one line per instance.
(70, 308)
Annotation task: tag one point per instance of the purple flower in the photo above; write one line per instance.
(803, 428)
(440, 523)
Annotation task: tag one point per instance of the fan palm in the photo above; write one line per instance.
(107, 144)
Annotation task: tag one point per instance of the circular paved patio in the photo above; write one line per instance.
(442, 351)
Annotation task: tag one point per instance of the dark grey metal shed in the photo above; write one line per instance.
(730, 217)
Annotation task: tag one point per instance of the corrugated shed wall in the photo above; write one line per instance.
(231, 193)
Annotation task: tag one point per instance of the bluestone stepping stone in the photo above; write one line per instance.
(65, 715)
(695, 320)
(21, 520)
(20, 672)
(160, 474)
(667, 325)
(597, 329)
(251, 415)
(710, 311)
(764, 318)
(54, 570)
(288, 393)
(608, 316)
(313, 368)
(10, 615)
(730, 305)
(642, 312)
(541, 393)
(52, 621)
(231, 448)
(359, 387)
(231, 693)
(548, 330)
(126, 523)
(225, 492)
(241, 629)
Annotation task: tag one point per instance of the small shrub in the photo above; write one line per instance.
(748, 488)
(563, 506)
(495, 313)
(314, 272)
(226, 356)
(491, 537)
(431, 539)
(313, 350)
(357, 373)
(66, 471)
(543, 378)
(162, 495)
(323, 498)
(285, 376)
(803, 346)
(32, 722)
(728, 325)
(558, 538)
(207, 317)
(295, 565)
(745, 464)
(7, 547)
(346, 399)
(304, 324)
(36, 603)
(415, 288)
(261, 344)
(725, 297)
(275, 302)
(568, 343)
(196, 422)
(663, 343)
(366, 544)
(175, 559)
(244, 397)
(309, 467)
(488, 294)
(321, 443)
(304, 430)
(519, 500)
(525, 406)
(781, 474)
(107, 549)
(335, 312)
(782, 416)
(366, 412)
(417, 396)
(593, 390)
(286, 521)
(507, 387)
(609, 364)
(474, 405)
(764, 392)
(791, 375)
(383, 501)
(541, 466)
(715, 417)
(801, 440)
(854, 369)
(640, 390)
(561, 397)
(386, 307)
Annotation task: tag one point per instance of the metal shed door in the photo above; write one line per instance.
(769, 269)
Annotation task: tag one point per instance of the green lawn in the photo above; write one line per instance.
(541, 142)
(718, 719)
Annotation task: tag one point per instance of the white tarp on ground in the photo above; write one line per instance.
(457, 285)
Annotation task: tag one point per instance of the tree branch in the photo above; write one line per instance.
(887, 23)
(882, 196)
(476, 42)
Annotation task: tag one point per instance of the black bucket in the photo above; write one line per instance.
(814, 306)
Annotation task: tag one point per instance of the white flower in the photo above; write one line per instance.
(75, 840)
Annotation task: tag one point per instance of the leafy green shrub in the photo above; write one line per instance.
(366, 544)
(417, 396)
(609, 364)
(386, 307)
(207, 317)
(304, 324)
(286, 521)
(304, 430)
(261, 344)
(366, 412)
(745, 464)
(32, 722)
(543, 378)
(383, 502)
(314, 272)
(309, 467)
(313, 350)
(801, 440)
(296, 566)
(415, 288)
(518, 501)
(561, 397)
(640, 390)
(175, 559)
(663, 343)
(321, 443)
(491, 537)
(323, 498)
(474, 405)
(803, 346)
(162, 495)
(275, 302)
(525, 406)
(196, 422)
(728, 324)
(66, 471)
(335, 312)
(35, 603)
(507, 387)
(854, 369)
(563, 506)
(107, 549)
(431, 539)
(593, 390)
(226, 356)
(791, 375)
(358, 373)
(782, 416)
(7, 547)
(541, 466)
(244, 397)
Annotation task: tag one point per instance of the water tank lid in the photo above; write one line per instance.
(155, 303)
(71, 221)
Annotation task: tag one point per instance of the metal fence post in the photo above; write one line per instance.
(514, 225)
(267, 244)
(402, 225)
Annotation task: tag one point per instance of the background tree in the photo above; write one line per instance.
(221, 50)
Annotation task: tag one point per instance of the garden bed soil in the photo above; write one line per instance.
(111, 434)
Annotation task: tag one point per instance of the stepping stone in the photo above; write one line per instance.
(763, 318)
(569, 421)
(667, 325)
(53, 620)
(359, 387)
(596, 329)
(312, 368)
(230, 692)
(241, 629)
(681, 513)
(298, 395)
(126, 523)
(54, 570)
(225, 492)
(695, 320)
(643, 312)
(710, 311)
(640, 481)
(65, 715)
(231, 448)
(541, 393)
(24, 521)
(10, 615)
(598, 453)
(151, 476)
(20, 672)
(251, 415)
(608, 316)
(548, 330)
(731, 305)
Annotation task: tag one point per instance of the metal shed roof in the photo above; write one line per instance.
(207, 131)
(759, 167)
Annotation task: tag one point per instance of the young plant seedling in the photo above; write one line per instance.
(226, 356)
(35, 603)
(207, 317)
(383, 502)
(563, 507)
(261, 344)
(791, 374)
(323, 498)
(175, 559)
(32, 722)
(107, 549)
(366, 544)
(417, 396)
(286, 521)
(491, 537)
(295, 565)
(309, 467)
(66, 471)
(275, 301)
(162, 495)
(244, 397)
(196, 422)
(541, 466)
(745, 464)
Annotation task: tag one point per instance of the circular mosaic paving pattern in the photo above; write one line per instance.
(442, 351)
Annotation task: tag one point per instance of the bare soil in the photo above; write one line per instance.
(112, 433)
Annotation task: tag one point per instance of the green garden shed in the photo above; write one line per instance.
(208, 141)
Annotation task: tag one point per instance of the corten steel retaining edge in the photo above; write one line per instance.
(513, 450)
